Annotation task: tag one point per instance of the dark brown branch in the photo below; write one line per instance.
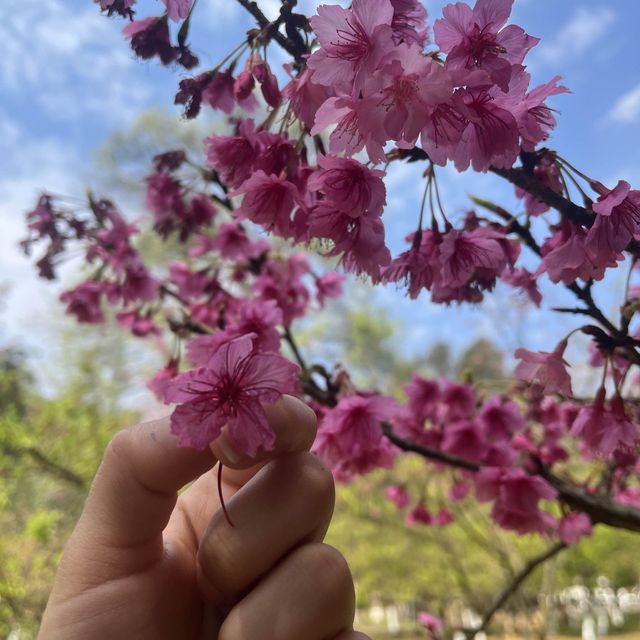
(290, 45)
(518, 579)
(600, 508)
(45, 463)
(428, 452)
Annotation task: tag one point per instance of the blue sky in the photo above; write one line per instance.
(67, 81)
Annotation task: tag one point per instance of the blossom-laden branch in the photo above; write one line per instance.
(362, 81)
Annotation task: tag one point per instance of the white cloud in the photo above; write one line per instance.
(627, 107)
(69, 61)
(577, 36)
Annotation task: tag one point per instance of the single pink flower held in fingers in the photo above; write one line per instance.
(230, 389)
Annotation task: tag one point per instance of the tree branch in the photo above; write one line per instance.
(514, 585)
(271, 29)
(45, 463)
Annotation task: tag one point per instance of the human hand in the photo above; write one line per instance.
(144, 563)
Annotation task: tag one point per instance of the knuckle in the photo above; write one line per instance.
(316, 483)
(329, 570)
(221, 566)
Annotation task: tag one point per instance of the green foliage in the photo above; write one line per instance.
(49, 450)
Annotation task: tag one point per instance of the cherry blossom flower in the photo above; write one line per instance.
(398, 495)
(500, 418)
(409, 22)
(260, 318)
(158, 384)
(490, 136)
(547, 369)
(268, 201)
(350, 438)
(418, 515)
(474, 38)
(150, 38)
(430, 623)
(565, 257)
(233, 156)
(573, 527)
(84, 302)
(329, 286)
(516, 495)
(423, 395)
(352, 43)
(462, 254)
(418, 266)
(443, 518)
(412, 87)
(139, 325)
(604, 429)
(230, 389)
(617, 222)
(465, 439)
(233, 243)
(358, 126)
(305, 96)
(349, 186)
(178, 9)
(524, 280)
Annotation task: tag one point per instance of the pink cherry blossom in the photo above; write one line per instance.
(268, 201)
(350, 438)
(233, 156)
(474, 38)
(230, 389)
(352, 43)
(565, 257)
(412, 87)
(516, 496)
(178, 9)
(418, 515)
(457, 401)
(305, 97)
(398, 495)
(149, 38)
(233, 243)
(617, 222)
(358, 127)
(524, 280)
(282, 281)
(329, 286)
(547, 369)
(465, 439)
(490, 136)
(423, 395)
(140, 326)
(419, 265)
(573, 527)
(349, 186)
(84, 302)
(430, 623)
(462, 254)
(500, 418)
(158, 383)
(604, 429)
(260, 318)
(409, 23)
(220, 93)
(443, 518)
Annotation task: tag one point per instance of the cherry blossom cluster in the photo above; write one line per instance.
(304, 165)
